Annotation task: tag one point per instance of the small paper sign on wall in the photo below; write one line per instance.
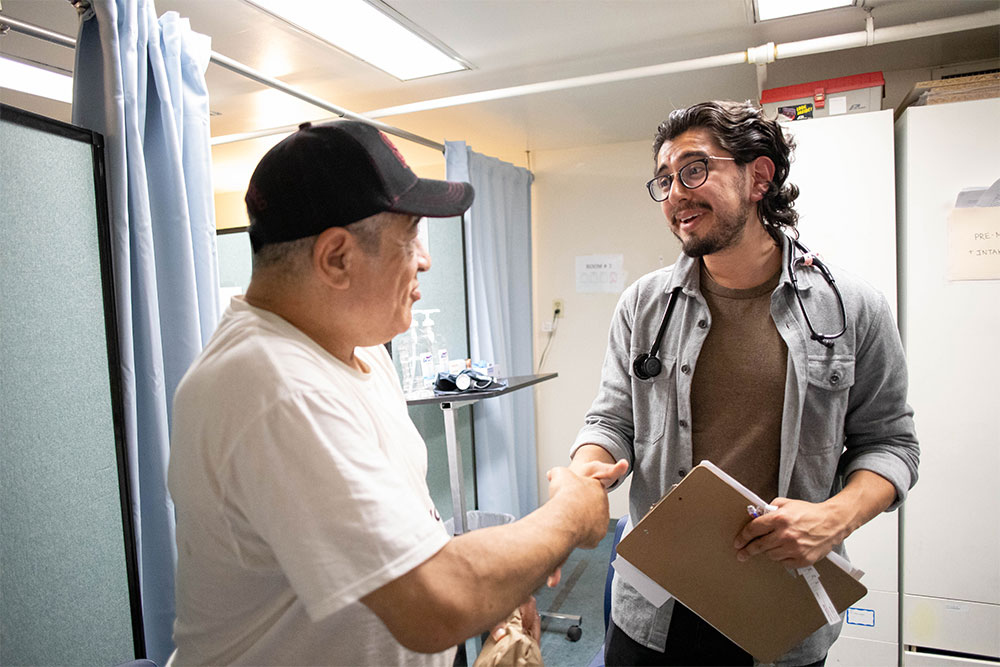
(600, 274)
(974, 243)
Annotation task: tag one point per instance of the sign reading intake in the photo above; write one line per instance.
(974, 243)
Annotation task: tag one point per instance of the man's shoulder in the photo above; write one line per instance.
(654, 282)
(254, 359)
(868, 309)
(857, 291)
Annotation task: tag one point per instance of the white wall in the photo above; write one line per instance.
(585, 201)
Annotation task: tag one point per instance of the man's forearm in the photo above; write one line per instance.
(865, 496)
(499, 567)
(478, 578)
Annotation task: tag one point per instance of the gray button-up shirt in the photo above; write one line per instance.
(844, 409)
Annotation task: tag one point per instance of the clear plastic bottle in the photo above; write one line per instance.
(409, 362)
(441, 358)
(431, 349)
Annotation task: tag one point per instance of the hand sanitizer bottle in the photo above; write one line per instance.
(440, 353)
(431, 349)
(425, 352)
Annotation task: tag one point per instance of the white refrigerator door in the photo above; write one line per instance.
(844, 167)
(951, 329)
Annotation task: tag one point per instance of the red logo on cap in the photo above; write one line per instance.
(392, 147)
(255, 198)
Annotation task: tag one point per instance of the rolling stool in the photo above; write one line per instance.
(574, 631)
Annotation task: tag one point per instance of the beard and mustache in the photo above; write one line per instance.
(727, 231)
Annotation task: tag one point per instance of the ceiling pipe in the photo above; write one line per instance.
(888, 35)
(734, 58)
(754, 55)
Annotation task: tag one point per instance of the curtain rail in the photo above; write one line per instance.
(241, 69)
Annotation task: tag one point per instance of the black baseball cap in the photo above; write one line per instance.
(332, 174)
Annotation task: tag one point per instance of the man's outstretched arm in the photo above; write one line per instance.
(479, 577)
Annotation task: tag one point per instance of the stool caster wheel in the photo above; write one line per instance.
(574, 633)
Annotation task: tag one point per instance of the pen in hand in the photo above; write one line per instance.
(756, 512)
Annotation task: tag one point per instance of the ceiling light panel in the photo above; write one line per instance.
(765, 10)
(26, 78)
(359, 28)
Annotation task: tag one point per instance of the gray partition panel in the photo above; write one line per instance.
(66, 594)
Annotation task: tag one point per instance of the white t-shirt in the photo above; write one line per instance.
(299, 484)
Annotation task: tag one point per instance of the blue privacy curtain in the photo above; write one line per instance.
(140, 82)
(498, 265)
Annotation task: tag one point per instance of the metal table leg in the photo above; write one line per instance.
(456, 474)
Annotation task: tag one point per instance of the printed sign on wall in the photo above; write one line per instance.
(600, 274)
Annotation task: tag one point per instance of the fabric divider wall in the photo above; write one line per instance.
(69, 583)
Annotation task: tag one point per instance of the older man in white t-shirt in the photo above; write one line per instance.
(305, 530)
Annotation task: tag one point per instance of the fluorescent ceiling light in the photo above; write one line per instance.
(35, 80)
(766, 10)
(366, 32)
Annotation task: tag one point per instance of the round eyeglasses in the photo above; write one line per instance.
(693, 175)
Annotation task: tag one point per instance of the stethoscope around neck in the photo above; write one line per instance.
(647, 365)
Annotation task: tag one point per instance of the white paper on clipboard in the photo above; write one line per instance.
(637, 579)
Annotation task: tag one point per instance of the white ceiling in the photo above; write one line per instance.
(514, 42)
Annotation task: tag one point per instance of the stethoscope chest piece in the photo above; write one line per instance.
(645, 367)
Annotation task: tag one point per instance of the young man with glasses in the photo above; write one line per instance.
(742, 378)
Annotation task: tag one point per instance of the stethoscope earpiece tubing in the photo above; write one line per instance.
(815, 261)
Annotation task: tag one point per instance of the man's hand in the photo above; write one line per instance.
(797, 534)
(585, 501)
(606, 473)
(595, 461)
(531, 622)
(800, 533)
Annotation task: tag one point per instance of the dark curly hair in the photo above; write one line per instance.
(742, 130)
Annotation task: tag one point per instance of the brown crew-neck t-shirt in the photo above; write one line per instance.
(738, 388)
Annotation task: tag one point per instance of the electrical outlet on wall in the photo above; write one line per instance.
(557, 308)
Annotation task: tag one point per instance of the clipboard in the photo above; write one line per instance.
(685, 545)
